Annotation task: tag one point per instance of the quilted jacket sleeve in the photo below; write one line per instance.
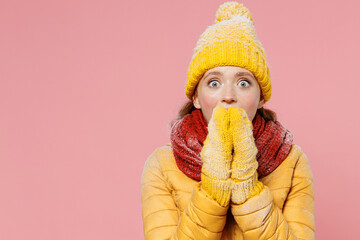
(259, 218)
(203, 218)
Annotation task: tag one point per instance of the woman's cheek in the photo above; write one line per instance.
(208, 105)
(251, 107)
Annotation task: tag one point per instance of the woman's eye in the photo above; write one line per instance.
(214, 83)
(244, 83)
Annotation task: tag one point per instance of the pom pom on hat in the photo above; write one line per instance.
(229, 10)
(231, 41)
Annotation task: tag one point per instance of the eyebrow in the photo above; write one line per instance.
(238, 74)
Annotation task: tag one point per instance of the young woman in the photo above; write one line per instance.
(231, 170)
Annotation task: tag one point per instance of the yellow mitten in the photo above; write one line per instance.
(244, 165)
(216, 157)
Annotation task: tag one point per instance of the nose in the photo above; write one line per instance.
(229, 95)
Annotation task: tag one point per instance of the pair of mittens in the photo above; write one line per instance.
(229, 157)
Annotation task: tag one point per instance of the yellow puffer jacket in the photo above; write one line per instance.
(176, 207)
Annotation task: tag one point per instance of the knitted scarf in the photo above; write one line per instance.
(272, 140)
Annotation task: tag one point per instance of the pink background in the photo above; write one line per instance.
(87, 89)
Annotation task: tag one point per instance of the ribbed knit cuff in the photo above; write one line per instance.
(243, 190)
(218, 189)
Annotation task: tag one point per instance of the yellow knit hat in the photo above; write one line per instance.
(231, 41)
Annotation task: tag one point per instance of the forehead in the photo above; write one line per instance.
(228, 70)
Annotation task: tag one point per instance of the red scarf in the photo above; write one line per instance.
(272, 140)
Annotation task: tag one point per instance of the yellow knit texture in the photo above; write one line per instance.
(216, 157)
(244, 163)
(231, 41)
(230, 9)
(229, 157)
